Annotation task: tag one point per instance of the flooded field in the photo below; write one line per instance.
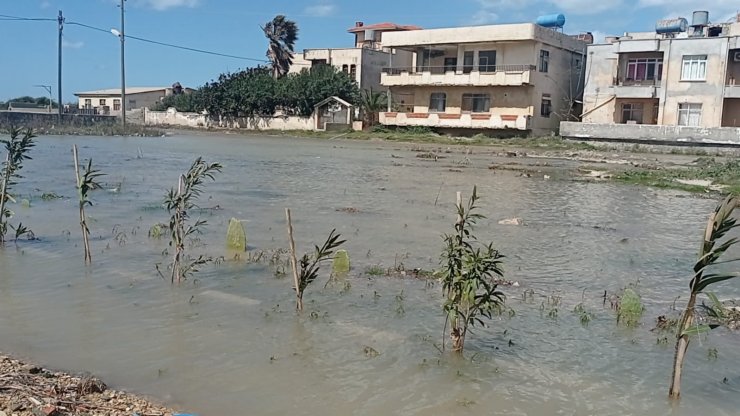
(230, 343)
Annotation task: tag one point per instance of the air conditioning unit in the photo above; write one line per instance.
(736, 56)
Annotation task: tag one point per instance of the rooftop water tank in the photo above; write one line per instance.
(700, 18)
(671, 26)
(551, 20)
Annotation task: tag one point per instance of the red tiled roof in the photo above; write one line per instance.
(383, 26)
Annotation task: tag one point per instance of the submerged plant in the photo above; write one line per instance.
(470, 272)
(179, 202)
(309, 265)
(85, 183)
(712, 248)
(17, 148)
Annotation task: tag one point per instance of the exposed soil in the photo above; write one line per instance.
(30, 390)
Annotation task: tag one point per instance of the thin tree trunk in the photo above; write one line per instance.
(294, 262)
(457, 334)
(3, 197)
(83, 221)
(179, 231)
(682, 344)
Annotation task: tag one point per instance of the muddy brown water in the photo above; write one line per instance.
(230, 343)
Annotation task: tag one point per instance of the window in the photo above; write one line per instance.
(487, 61)
(476, 103)
(116, 104)
(345, 68)
(546, 105)
(353, 71)
(648, 69)
(88, 103)
(468, 62)
(437, 102)
(544, 60)
(694, 68)
(450, 64)
(102, 102)
(632, 112)
(689, 114)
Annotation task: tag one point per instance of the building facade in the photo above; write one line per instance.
(513, 78)
(109, 101)
(678, 75)
(363, 62)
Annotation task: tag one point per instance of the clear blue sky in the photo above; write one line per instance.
(91, 58)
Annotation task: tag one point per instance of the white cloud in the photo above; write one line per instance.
(168, 4)
(320, 10)
(45, 4)
(72, 45)
(586, 6)
(484, 17)
(719, 10)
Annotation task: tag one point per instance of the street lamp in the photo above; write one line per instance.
(48, 89)
(122, 35)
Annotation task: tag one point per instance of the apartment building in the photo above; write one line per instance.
(364, 60)
(681, 74)
(108, 101)
(508, 79)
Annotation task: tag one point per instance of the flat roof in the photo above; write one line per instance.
(482, 34)
(382, 26)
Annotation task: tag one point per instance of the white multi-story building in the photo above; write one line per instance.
(509, 79)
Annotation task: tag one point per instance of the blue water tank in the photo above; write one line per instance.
(551, 20)
(671, 26)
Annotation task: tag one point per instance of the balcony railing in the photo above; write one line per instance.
(629, 82)
(488, 69)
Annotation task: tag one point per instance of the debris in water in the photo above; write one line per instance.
(511, 221)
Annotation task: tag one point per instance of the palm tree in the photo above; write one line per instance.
(371, 104)
(282, 35)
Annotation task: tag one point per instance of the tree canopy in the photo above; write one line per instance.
(254, 92)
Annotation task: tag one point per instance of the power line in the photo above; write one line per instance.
(140, 39)
(170, 45)
(35, 19)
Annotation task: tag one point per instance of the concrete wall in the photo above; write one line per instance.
(636, 133)
(45, 120)
(172, 117)
(504, 100)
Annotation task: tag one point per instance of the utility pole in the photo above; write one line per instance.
(123, 66)
(59, 66)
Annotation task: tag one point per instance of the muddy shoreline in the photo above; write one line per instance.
(27, 389)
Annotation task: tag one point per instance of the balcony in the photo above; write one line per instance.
(732, 91)
(629, 88)
(457, 121)
(501, 75)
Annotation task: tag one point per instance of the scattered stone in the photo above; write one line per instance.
(31, 369)
(49, 393)
(341, 264)
(236, 237)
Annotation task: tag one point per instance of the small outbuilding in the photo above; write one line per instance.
(333, 114)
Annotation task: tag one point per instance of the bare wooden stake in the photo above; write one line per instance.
(293, 261)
